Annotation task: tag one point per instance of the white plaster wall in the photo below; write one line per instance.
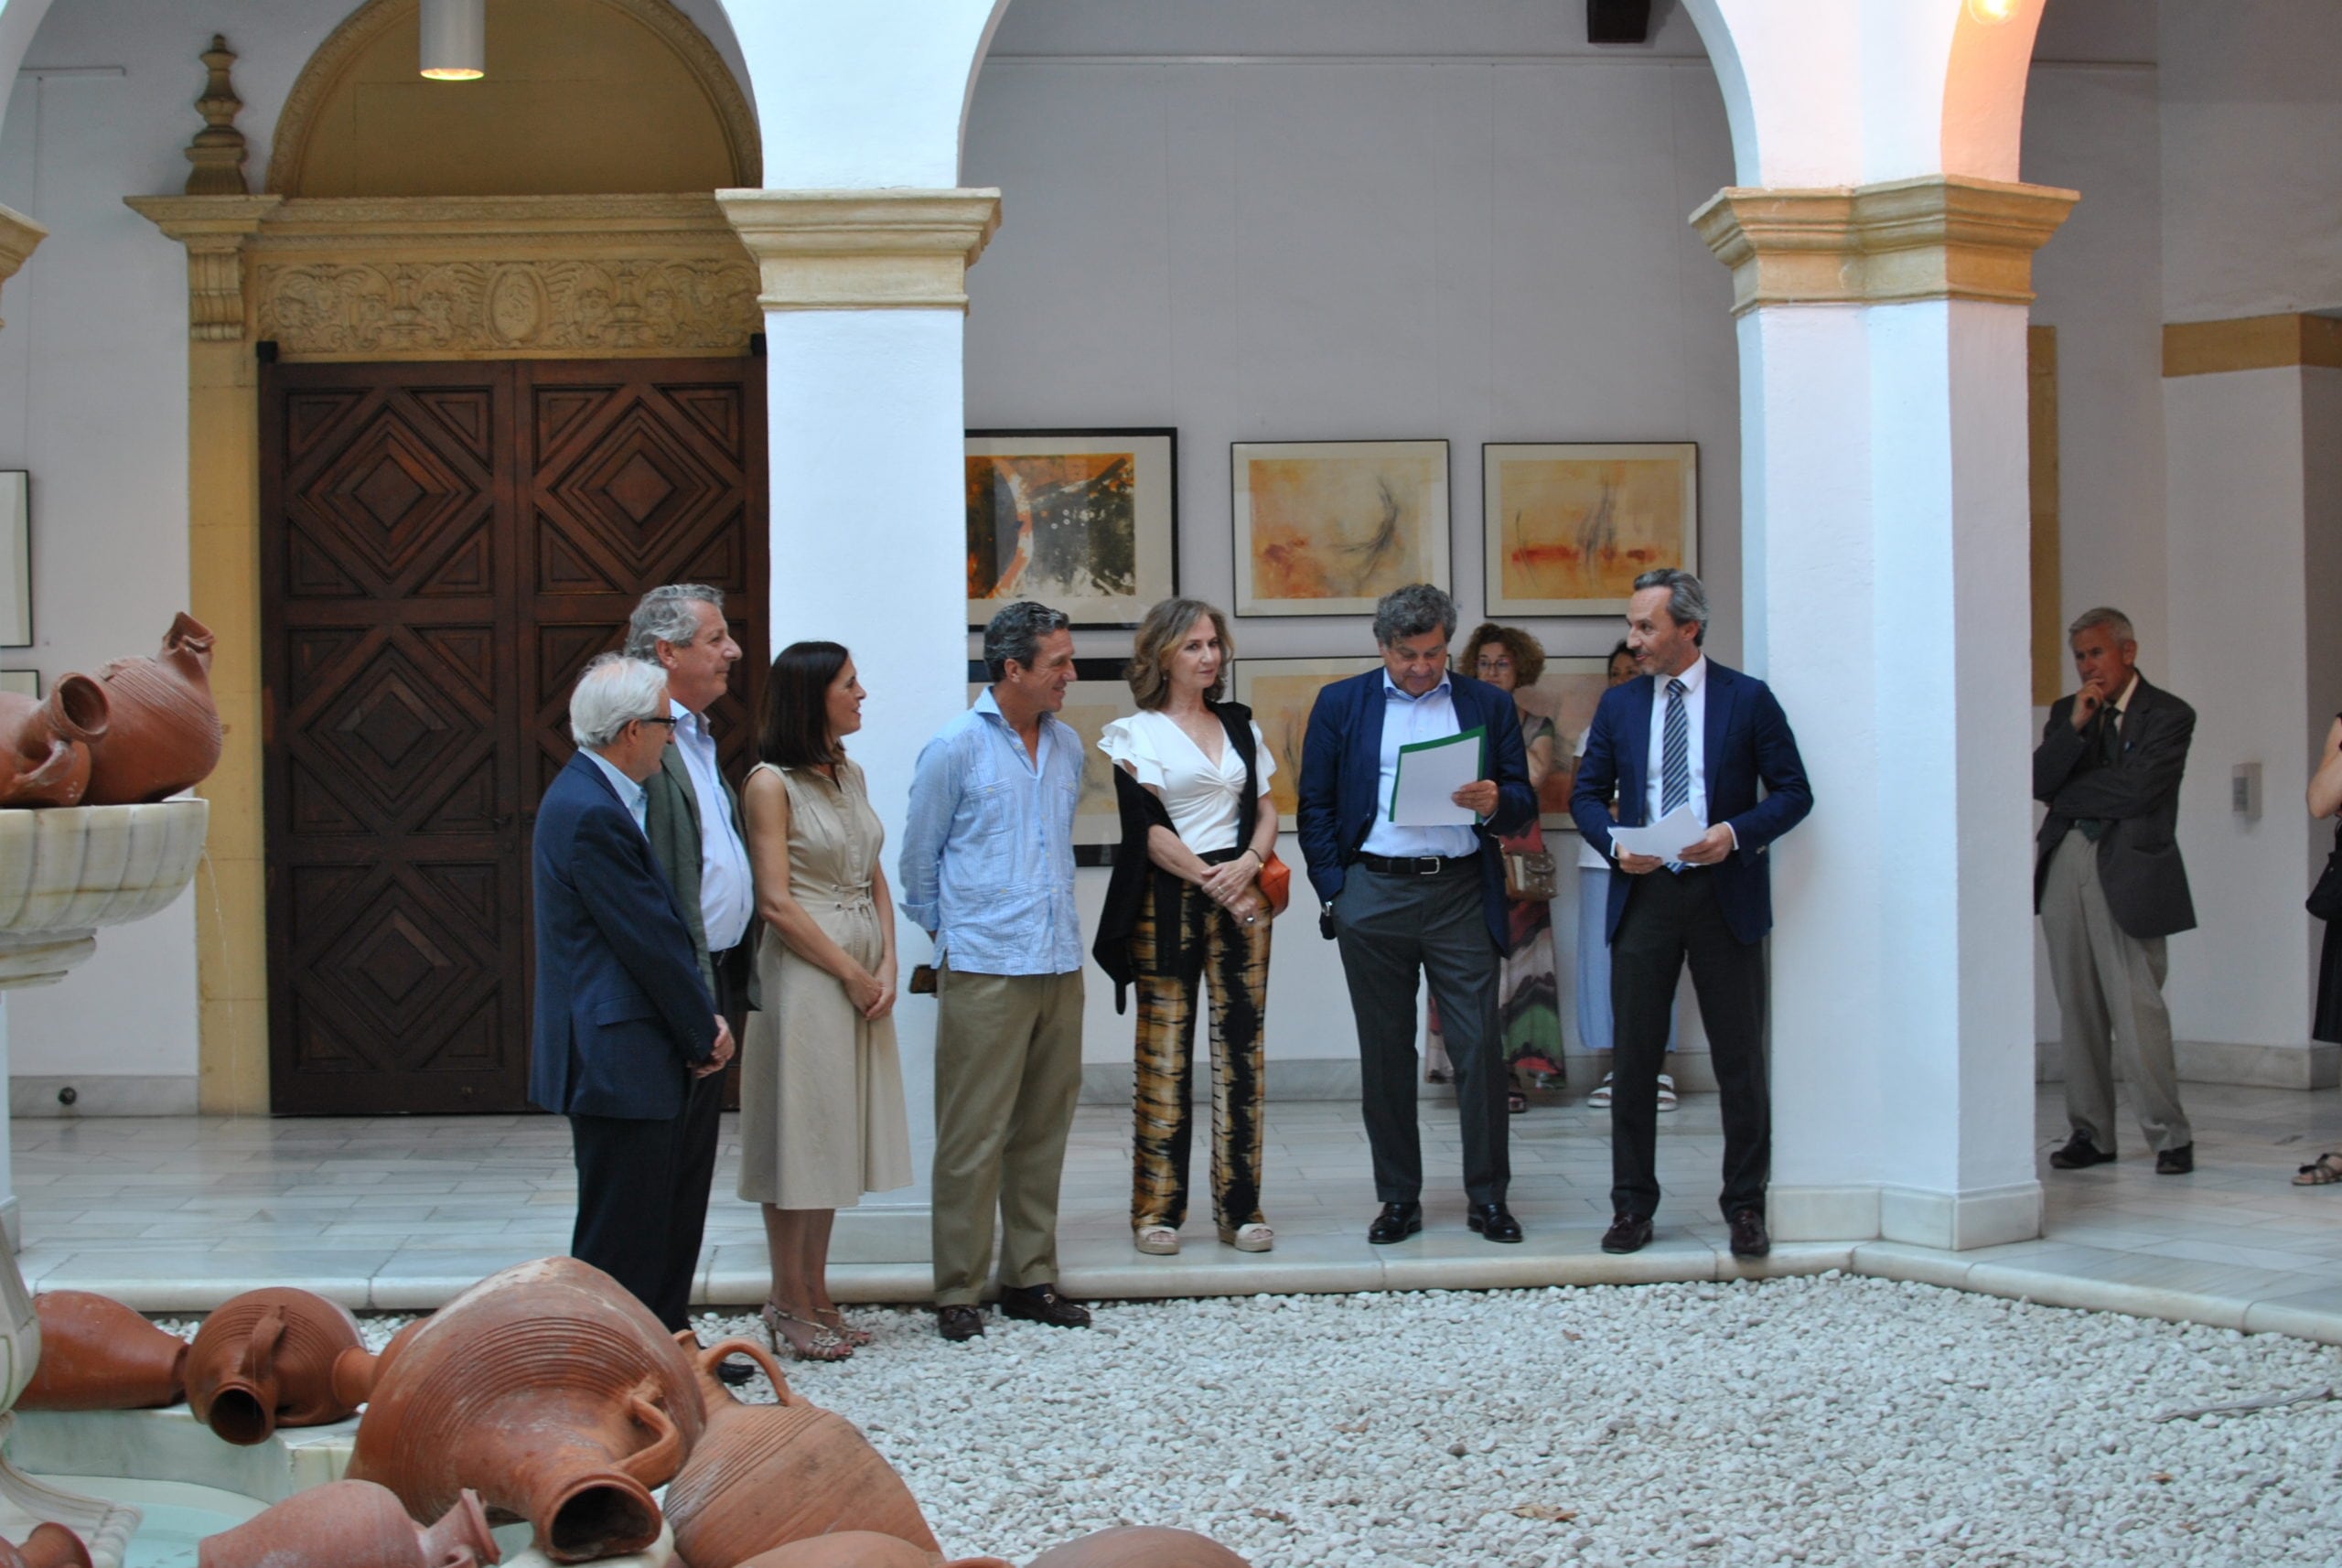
(1265, 249)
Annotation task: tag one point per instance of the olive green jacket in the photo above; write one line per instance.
(671, 818)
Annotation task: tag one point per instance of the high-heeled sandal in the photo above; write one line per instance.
(830, 1318)
(820, 1344)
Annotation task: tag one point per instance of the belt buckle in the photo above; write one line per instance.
(1427, 865)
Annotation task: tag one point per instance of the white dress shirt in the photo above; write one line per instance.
(1405, 720)
(630, 794)
(1695, 711)
(726, 893)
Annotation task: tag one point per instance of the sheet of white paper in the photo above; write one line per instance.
(1665, 838)
(1428, 777)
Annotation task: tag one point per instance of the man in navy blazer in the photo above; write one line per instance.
(1697, 735)
(1403, 899)
(624, 1021)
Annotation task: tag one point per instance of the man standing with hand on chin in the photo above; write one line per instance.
(2109, 887)
(1695, 736)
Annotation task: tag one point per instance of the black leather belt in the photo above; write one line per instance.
(1416, 865)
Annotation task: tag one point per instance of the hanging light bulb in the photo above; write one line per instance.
(455, 39)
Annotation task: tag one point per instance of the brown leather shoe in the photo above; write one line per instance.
(1748, 1238)
(2176, 1162)
(1627, 1233)
(1042, 1304)
(959, 1323)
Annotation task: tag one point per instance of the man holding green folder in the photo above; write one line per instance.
(1409, 775)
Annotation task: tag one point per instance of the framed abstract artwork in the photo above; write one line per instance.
(1568, 529)
(1281, 691)
(1565, 694)
(1098, 696)
(15, 559)
(1084, 521)
(1326, 528)
(23, 683)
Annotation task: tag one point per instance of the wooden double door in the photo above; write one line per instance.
(443, 547)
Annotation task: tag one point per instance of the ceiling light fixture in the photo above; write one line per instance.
(455, 39)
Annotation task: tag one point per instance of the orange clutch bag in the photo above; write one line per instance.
(1275, 883)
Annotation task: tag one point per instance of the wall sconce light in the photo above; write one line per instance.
(1982, 10)
(455, 39)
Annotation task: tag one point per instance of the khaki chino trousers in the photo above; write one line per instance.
(2110, 1001)
(1007, 1075)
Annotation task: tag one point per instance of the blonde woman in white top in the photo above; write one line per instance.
(1185, 917)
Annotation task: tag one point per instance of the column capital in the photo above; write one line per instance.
(213, 229)
(862, 249)
(18, 235)
(1938, 237)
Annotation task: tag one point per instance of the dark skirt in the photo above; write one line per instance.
(2325, 1024)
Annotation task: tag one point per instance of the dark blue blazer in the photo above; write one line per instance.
(622, 1014)
(1748, 743)
(1341, 774)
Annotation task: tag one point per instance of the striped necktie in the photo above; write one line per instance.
(1675, 753)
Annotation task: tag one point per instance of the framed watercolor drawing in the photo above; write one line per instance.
(1084, 521)
(1326, 528)
(1281, 691)
(1098, 696)
(1565, 693)
(1568, 529)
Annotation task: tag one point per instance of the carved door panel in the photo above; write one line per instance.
(443, 548)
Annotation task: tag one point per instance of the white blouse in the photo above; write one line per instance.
(1200, 795)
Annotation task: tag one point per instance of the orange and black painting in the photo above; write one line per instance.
(1052, 527)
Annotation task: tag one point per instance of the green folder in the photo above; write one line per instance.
(1477, 734)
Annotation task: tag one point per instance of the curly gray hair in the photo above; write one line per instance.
(665, 615)
(614, 691)
(1412, 611)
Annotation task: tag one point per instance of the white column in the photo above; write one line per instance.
(1884, 516)
(865, 300)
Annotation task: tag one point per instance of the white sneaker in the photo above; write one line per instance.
(1666, 1092)
(1600, 1098)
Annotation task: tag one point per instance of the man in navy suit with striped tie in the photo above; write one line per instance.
(1695, 735)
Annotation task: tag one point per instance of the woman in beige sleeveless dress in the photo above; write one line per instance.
(822, 1117)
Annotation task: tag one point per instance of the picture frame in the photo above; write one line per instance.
(1566, 693)
(15, 558)
(23, 682)
(1281, 691)
(1098, 696)
(1568, 527)
(1326, 528)
(1085, 520)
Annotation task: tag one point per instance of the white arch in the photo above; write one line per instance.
(19, 20)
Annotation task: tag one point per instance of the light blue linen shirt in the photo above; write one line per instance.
(631, 795)
(1407, 719)
(726, 893)
(986, 867)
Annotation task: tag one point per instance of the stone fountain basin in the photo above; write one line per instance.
(66, 870)
(187, 1483)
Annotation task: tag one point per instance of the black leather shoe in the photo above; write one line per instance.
(1395, 1223)
(1627, 1233)
(2176, 1162)
(1042, 1304)
(2078, 1152)
(1748, 1238)
(958, 1323)
(734, 1371)
(1495, 1221)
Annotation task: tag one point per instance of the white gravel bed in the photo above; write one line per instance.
(1822, 1420)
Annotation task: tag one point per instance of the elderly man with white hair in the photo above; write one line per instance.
(624, 1023)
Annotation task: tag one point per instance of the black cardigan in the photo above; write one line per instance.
(1141, 810)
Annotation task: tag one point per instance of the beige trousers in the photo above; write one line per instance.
(2110, 992)
(1007, 1073)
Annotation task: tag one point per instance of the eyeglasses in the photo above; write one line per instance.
(670, 721)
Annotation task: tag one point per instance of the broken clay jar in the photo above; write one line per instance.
(48, 1546)
(97, 1354)
(45, 743)
(766, 1475)
(352, 1524)
(551, 1389)
(1140, 1546)
(857, 1549)
(265, 1360)
(164, 733)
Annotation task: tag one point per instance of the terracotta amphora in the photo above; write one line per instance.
(766, 1475)
(354, 1370)
(1140, 1546)
(45, 743)
(265, 1360)
(48, 1546)
(165, 732)
(857, 1549)
(549, 1389)
(351, 1524)
(97, 1354)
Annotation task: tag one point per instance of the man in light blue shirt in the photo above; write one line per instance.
(987, 871)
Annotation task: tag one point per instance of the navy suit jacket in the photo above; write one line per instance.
(622, 1014)
(1341, 776)
(1748, 743)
